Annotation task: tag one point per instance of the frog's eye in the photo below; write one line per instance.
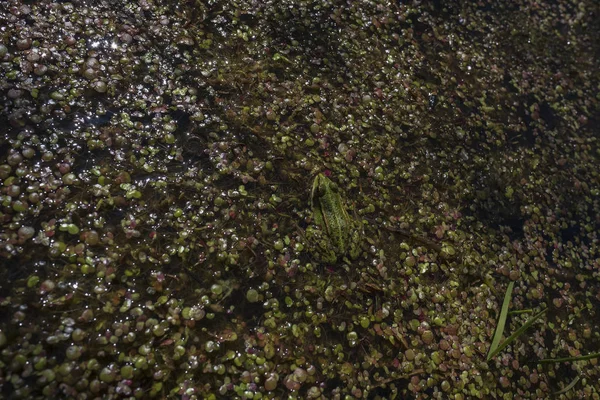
(321, 190)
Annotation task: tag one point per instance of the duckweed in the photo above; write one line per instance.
(156, 177)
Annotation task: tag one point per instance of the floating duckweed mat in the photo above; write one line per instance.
(157, 238)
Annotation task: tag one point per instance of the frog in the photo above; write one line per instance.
(334, 234)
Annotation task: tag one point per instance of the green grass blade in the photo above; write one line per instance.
(578, 358)
(569, 386)
(516, 334)
(501, 321)
(517, 312)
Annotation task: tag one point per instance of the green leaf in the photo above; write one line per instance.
(516, 334)
(501, 321)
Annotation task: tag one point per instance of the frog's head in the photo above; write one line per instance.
(322, 185)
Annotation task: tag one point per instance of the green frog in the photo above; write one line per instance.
(334, 234)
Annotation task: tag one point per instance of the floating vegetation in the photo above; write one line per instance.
(157, 164)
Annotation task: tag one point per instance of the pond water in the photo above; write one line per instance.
(157, 161)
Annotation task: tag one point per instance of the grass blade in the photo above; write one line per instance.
(578, 358)
(516, 334)
(569, 386)
(501, 321)
(517, 312)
